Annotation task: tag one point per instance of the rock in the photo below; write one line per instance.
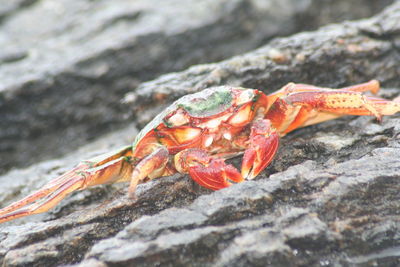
(320, 202)
(66, 65)
(354, 52)
(300, 223)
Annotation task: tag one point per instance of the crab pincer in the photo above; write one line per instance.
(263, 145)
(209, 172)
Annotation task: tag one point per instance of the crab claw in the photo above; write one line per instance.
(212, 173)
(264, 142)
(215, 175)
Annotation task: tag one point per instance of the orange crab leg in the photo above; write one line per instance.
(45, 203)
(329, 105)
(150, 167)
(372, 86)
(104, 169)
(345, 103)
(305, 105)
(264, 143)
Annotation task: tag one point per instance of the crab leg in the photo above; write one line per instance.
(212, 173)
(150, 167)
(371, 86)
(305, 105)
(345, 103)
(264, 143)
(46, 202)
(101, 170)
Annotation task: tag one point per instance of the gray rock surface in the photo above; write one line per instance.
(64, 65)
(330, 198)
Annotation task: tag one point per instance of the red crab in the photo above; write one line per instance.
(198, 132)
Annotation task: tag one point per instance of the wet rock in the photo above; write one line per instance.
(66, 65)
(321, 202)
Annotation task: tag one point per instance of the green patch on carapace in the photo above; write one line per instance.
(211, 103)
(201, 105)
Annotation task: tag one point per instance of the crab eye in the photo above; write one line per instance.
(245, 96)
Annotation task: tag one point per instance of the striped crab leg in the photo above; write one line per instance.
(304, 105)
(108, 168)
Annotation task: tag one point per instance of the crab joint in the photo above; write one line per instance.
(151, 166)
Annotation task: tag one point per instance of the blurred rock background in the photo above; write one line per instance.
(78, 78)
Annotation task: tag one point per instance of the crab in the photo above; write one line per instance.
(198, 132)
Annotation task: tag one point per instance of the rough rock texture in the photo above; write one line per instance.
(66, 64)
(330, 198)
